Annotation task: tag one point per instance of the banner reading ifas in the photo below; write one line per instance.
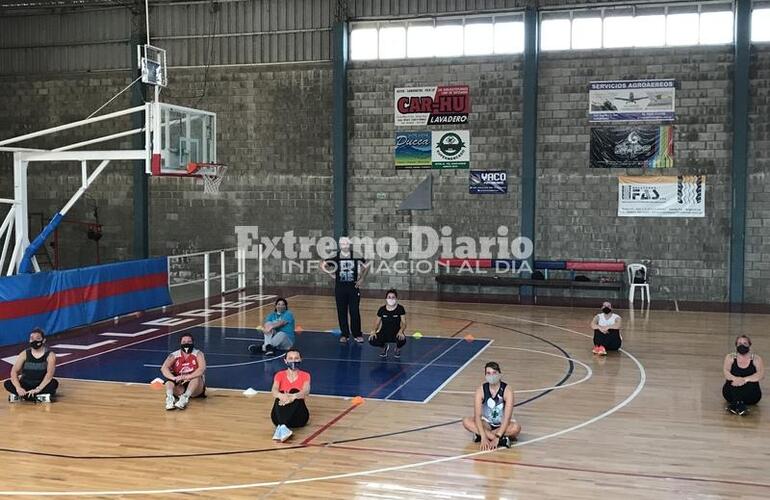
(662, 196)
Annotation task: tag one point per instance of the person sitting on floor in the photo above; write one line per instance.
(606, 327)
(290, 388)
(743, 370)
(492, 423)
(278, 330)
(184, 370)
(390, 327)
(32, 372)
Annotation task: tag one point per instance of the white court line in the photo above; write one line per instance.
(617, 407)
(588, 375)
(424, 367)
(167, 334)
(458, 371)
(231, 365)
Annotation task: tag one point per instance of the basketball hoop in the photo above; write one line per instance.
(211, 173)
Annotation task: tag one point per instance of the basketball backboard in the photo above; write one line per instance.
(179, 136)
(152, 63)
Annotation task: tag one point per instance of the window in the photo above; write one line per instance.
(448, 40)
(392, 42)
(650, 31)
(716, 27)
(619, 31)
(760, 25)
(587, 33)
(509, 37)
(707, 23)
(419, 41)
(479, 39)
(555, 34)
(682, 29)
(363, 44)
(446, 37)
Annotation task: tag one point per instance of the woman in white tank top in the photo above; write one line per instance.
(606, 327)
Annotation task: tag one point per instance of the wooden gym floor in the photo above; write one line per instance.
(645, 423)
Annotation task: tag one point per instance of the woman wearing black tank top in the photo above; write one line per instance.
(32, 372)
(743, 371)
(492, 423)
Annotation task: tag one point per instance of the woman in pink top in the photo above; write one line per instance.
(290, 388)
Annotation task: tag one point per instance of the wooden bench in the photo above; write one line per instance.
(479, 280)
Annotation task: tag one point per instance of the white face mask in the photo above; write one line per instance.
(390, 302)
(493, 379)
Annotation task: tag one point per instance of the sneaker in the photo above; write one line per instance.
(183, 400)
(343, 340)
(602, 351)
(504, 441)
(595, 350)
(43, 398)
(732, 408)
(13, 398)
(741, 409)
(277, 433)
(268, 351)
(397, 353)
(285, 433)
(359, 339)
(476, 438)
(169, 402)
(384, 352)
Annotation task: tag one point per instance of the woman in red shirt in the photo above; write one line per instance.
(290, 388)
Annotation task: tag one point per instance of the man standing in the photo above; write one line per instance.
(348, 273)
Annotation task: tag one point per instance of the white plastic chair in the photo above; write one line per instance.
(631, 269)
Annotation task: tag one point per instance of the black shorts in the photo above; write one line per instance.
(186, 383)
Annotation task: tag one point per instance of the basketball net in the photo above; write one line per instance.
(211, 173)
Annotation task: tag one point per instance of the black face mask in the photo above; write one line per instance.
(293, 365)
(36, 344)
(188, 348)
(742, 349)
(606, 310)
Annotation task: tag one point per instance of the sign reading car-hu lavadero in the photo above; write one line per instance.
(443, 149)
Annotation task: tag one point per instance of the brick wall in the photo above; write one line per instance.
(274, 130)
(757, 277)
(376, 188)
(577, 205)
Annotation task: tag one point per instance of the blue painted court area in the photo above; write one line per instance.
(426, 364)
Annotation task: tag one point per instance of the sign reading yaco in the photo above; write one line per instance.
(441, 105)
(488, 182)
(662, 196)
(632, 100)
(451, 149)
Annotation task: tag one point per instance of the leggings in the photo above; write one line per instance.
(292, 415)
(749, 393)
(48, 389)
(610, 340)
(347, 298)
(380, 341)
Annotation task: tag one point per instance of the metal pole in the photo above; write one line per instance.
(222, 271)
(529, 136)
(141, 236)
(741, 89)
(339, 127)
(206, 272)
